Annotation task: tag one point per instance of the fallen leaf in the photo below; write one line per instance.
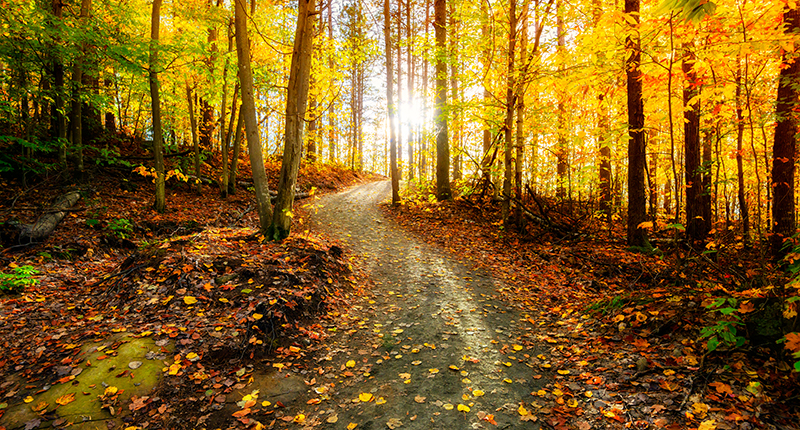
(333, 419)
(189, 300)
(393, 423)
(463, 408)
(299, 418)
(66, 399)
(708, 425)
(477, 393)
(365, 397)
(419, 399)
(350, 363)
(241, 413)
(351, 426)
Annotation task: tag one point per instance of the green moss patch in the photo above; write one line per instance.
(94, 391)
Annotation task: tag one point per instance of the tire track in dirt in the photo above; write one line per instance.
(428, 312)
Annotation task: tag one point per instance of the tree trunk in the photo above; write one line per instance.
(691, 134)
(248, 113)
(237, 150)
(155, 98)
(743, 209)
(519, 146)
(562, 162)
(58, 105)
(399, 92)
(410, 76)
(440, 103)
(637, 213)
(296, 103)
(332, 132)
(391, 106)
(47, 222)
(508, 125)
(193, 125)
(785, 143)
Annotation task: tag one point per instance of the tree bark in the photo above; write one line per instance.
(637, 213)
(440, 113)
(155, 98)
(47, 222)
(237, 150)
(743, 209)
(508, 125)
(193, 125)
(248, 113)
(296, 103)
(390, 102)
(562, 161)
(691, 133)
(785, 143)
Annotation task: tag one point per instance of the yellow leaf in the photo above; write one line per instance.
(507, 381)
(522, 411)
(478, 393)
(708, 425)
(28, 399)
(434, 371)
(223, 300)
(619, 318)
(453, 367)
(517, 347)
(448, 406)
(463, 408)
(563, 372)
(110, 391)
(257, 316)
(174, 368)
(351, 426)
(299, 418)
(66, 399)
(646, 224)
(572, 403)
(380, 401)
(189, 300)
(365, 397)
(191, 356)
(351, 363)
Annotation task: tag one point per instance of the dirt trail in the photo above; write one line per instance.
(430, 340)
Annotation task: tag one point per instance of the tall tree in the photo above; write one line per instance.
(440, 113)
(637, 211)
(562, 155)
(296, 104)
(695, 226)
(508, 125)
(604, 147)
(76, 121)
(248, 113)
(784, 148)
(390, 104)
(155, 98)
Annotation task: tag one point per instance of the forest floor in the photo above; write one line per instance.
(425, 315)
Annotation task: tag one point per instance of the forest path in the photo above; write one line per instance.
(430, 340)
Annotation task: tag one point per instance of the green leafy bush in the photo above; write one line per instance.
(121, 227)
(20, 278)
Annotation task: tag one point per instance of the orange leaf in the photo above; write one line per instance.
(641, 344)
(793, 342)
(66, 399)
(242, 413)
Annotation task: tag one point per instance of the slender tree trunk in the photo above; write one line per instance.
(508, 125)
(296, 104)
(423, 145)
(332, 132)
(519, 146)
(691, 132)
(637, 213)
(455, 123)
(58, 105)
(158, 140)
(562, 162)
(743, 209)
(785, 144)
(440, 103)
(391, 106)
(399, 93)
(237, 150)
(410, 75)
(248, 113)
(193, 125)
(677, 191)
(224, 135)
